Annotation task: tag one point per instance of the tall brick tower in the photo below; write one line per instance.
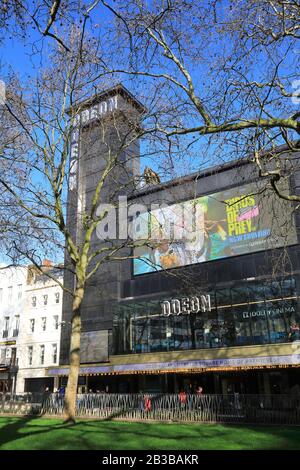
(105, 129)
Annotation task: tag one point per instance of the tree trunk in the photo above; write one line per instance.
(71, 391)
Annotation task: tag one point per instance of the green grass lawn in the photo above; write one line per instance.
(52, 434)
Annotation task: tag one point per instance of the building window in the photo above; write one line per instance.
(33, 301)
(57, 297)
(55, 318)
(42, 354)
(54, 353)
(13, 357)
(20, 291)
(2, 355)
(44, 322)
(10, 294)
(1, 295)
(246, 314)
(45, 299)
(32, 324)
(17, 324)
(6, 327)
(6, 324)
(30, 354)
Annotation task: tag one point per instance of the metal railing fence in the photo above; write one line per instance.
(260, 409)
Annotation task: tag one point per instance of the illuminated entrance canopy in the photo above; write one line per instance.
(186, 305)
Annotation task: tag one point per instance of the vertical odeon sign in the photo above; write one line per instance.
(81, 119)
(74, 157)
(186, 305)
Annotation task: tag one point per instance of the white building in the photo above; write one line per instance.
(12, 300)
(40, 325)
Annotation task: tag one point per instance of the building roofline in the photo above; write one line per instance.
(119, 88)
(185, 179)
(200, 174)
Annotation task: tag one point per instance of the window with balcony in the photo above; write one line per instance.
(44, 323)
(30, 355)
(6, 327)
(17, 324)
(55, 319)
(54, 353)
(13, 357)
(32, 325)
(42, 354)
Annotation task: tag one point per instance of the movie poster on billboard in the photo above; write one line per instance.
(237, 221)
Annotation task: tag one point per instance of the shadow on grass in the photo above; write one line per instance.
(93, 435)
(208, 436)
(16, 428)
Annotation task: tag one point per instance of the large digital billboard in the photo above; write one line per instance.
(240, 220)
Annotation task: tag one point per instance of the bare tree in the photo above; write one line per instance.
(46, 114)
(229, 68)
(21, 18)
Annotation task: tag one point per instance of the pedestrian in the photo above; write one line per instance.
(147, 403)
(294, 333)
(61, 395)
(182, 399)
(199, 394)
(141, 402)
(46, 396)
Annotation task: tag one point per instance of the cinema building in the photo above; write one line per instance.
(215, 305)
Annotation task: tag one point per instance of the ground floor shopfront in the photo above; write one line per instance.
(8, 366)
(244, 382)
(34, 380)
(259, 369)
(8, 379)
(247, 313)
(6, 382)
(245, 340)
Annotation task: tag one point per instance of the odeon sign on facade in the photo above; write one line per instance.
(186, 305)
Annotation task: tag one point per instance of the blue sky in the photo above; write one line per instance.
(17, 55)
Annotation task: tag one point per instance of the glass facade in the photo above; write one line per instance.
(248, 314)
